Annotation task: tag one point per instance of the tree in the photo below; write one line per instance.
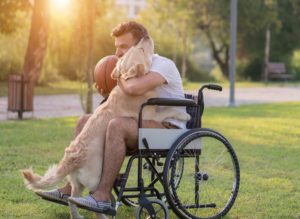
(212, 19)
(8, 14)
(173, 37)
(86, 47)
(256, 17)
(37, 42)
(90, 5)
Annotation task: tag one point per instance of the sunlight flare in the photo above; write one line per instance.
(59, 6)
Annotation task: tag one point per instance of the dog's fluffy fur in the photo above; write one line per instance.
(82, 161)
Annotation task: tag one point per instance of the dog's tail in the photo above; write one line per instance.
(34, 181)
(55, 173)
(75, 155)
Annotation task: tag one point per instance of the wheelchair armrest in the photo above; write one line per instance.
(170, 102)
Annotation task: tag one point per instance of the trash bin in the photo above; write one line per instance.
(20, 94)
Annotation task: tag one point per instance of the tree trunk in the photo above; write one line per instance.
(89, 68)
(37, 42)
(267, 55)
(175, 47)
(223, 64)
(184, 55)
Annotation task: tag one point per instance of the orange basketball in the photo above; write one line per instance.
(102, 73)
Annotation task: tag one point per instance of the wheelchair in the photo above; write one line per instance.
(194, 172)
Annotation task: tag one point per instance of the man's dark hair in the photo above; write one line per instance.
(137, 30)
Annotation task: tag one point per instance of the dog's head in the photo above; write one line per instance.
(137, 60)
(147, 45)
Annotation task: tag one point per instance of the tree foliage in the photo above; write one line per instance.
(68, 43)
(177, 26)
(212, 18)
(9, 10)
(174, 36)
(255, 17)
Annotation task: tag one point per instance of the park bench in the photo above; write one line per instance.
(277, 71)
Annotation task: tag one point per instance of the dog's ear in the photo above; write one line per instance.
(147, 45)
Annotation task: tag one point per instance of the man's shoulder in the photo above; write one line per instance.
(161, 59)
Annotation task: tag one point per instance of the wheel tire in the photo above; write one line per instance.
(214, 170)
(160, 208)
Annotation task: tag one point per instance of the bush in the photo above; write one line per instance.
(253, 70)
(194, 73)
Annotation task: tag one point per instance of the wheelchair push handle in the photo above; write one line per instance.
(211, 87)
(214, 87)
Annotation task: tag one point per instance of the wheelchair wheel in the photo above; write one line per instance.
(210, 178)
(178, 168)
(160, 209)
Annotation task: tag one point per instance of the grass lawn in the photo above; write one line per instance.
(61, 87)
(266, 139)
(71, 87)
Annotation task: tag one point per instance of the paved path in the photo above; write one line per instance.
(69, 105)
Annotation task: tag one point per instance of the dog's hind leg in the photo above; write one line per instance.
(77, 189)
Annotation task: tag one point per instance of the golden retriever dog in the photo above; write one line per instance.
(82, 160)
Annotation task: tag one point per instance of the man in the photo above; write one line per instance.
(121, 133)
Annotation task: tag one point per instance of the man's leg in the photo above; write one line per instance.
(121, 134)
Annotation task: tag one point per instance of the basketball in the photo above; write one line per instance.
(102, 73)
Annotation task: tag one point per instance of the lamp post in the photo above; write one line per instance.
(232, 52)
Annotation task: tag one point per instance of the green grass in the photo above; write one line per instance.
(196, 85)
(265, 137)
(71, 87)
(61, 87)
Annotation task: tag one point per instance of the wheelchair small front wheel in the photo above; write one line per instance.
(210, 177)
(161, 210)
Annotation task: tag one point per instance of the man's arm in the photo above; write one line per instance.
(140, 85)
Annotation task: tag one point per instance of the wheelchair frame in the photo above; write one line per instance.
(173, 174)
